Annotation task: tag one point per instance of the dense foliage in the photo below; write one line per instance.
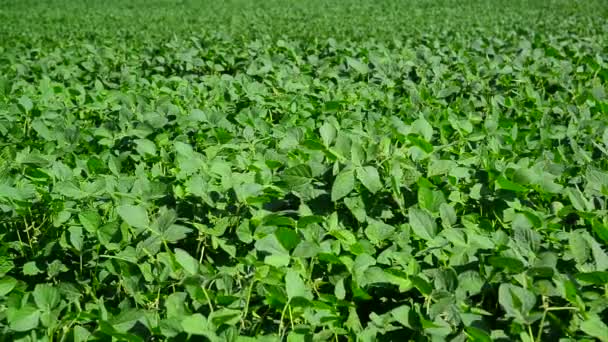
(244, 170)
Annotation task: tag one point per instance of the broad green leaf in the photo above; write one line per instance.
(288, 237)
(243, 232)
(579, 247)
(477, 335)
(510, 264)
(448, 215)
(328, 133)
(503, 183)
(90, 220)
(430, 200)
(424, 145)
(7, 284)
(369, 177)
(357, 65)
(136, 216)
(517, 301)
(145, 146)
(405, 316)
(76, 237)
(422, 223)
(357, 153)
(356, 207)
(81, 334)
(126, 320)
(197, 324)
(378, 231)
(225, 316)
(185, 260)
(271, 244)
(343, 185)
(70, 190)
(175, 232)
(596, 277)
(46, 296)
(424, 128)
(108, 329)
(422, 285)
(295, 286)
(594, 326)
(23, 319)
(578, 200)
(30, 268)
(175, 304)
(601, 229)
(26, 103)
(339, 290)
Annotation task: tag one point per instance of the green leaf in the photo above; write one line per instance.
(175, 232)
(503, 183)
(81, 334)
(30, 268)
(328, 133)
(136, 216)
(76, 238)
(145, 146)
(185, 260)
(357, 65)
(429, 199)
(596, 277)
(90, 220)
(405, 316)
(578, 200)
(477, 335)
(579, 247)
(175, 304)
(343, 185)
(601, 229)
(422, 285)
(107, 232)
(7, 284)
(279, 256)
(46, 296)
(107, 328)
(295, 286)
(422, 223)
(424, 128)
(511, 264)
(271, 244)
(420, 143)
(197, 325)
(225, 316)
(70, 190)
(594, 326)
(369, 177)
(517, 301)
(339, 290)
(447, 214)
(243, 232)
(356, 207)
(296, 337)
(23, 319)
(298, 175)
(26, 103)
(287, 237)
(378, 231)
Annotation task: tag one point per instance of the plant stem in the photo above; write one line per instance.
(281, 328)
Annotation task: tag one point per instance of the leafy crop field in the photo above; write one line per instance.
(350, 170)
